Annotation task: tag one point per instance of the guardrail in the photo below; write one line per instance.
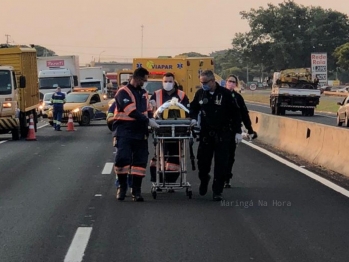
(329, 93)
(318, 144)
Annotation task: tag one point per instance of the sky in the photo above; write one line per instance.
(111, 30)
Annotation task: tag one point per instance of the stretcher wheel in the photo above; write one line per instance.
(154, 194)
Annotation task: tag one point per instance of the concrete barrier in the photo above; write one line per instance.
(330, 93)
(319, 144)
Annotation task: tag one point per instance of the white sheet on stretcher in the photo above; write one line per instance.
(172, 102)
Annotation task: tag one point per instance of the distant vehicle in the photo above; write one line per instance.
(343, 113)
(343, 89)
(46, 104)
(294, 90)
(85, 105)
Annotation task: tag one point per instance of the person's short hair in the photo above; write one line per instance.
(169, 74)
(234, 76)
(140, 73)
(125, 83)
(208, 73)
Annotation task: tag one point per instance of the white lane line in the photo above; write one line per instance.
(308, 173)
(1, 142)
(107, 168)
(78, 245)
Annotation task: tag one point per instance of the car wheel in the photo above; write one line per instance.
(339, 123)
(85, 119)
(346, 121)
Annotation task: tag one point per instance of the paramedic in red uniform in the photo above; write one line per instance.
(133, 114)
(169, 91)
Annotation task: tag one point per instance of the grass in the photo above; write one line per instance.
(324, 105)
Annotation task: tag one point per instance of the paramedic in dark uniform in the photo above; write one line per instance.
(219, 118)
(57, 100)
(231, 83)
(169, 91)
(132, 117)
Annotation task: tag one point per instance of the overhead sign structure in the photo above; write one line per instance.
(253, 87)
(319, 67)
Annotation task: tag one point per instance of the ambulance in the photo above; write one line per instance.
(185, 69)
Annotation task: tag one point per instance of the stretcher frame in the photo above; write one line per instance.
(172, 130)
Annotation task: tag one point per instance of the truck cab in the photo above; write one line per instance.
(60, 76)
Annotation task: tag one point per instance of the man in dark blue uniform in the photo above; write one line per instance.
(219, 118)
(132, 117)
(58, 100)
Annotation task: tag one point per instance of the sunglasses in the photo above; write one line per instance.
(231, 81)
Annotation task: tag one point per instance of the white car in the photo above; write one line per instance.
(46, 104)
(344, 89)
(343, 112)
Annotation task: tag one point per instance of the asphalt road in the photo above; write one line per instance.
(321, 118)
(51, 187)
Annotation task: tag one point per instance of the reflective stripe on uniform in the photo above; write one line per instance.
(121, 170)
(130, 107)
(137, 171)
(158, 96)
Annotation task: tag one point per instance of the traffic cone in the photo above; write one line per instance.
(31, 134)
(70, 126)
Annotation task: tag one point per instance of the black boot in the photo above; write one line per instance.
(227, 184)
(122, 188)
(204, 185)
(136, 189)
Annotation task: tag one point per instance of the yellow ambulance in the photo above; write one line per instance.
(185, 69)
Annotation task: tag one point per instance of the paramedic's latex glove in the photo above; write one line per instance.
(252, 134)
(193, 122)
(238, 138)
(153, 103)
(152, 123)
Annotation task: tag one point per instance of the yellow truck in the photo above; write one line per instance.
(185, 69)
(19, 90)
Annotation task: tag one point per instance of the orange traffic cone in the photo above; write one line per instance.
(31, 134)
(70, 126)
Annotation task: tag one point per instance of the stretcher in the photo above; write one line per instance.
(177, 130)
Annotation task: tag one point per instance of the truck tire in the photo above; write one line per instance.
(311, 111)
(23, 125)
(35, 118)
(15, 134)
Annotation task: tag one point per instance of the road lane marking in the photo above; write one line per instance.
(107, 168)
(308, 173)
(1, 142)
(78, 245)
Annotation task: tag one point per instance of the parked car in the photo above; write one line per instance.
(343, 89)
(343, 112)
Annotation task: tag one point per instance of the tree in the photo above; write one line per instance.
(341, 53)
(193, 54)
(40, 50)
(43, 51)
(284, 36)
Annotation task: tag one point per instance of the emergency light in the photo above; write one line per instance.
(87, 89)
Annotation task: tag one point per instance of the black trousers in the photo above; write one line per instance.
(214, 144)
(231, 160)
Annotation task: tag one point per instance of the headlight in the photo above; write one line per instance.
(105, 96)
(7, 105)
(76, 110)
(41, 107)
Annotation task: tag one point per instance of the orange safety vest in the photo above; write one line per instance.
(129, 108)
(158, 94)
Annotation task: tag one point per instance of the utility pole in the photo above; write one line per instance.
(7, 36)
(142, 41)
(247, 74)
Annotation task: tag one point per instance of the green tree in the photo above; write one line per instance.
(193, 54)
(284, 36)
(341, 53)
(40, 50)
